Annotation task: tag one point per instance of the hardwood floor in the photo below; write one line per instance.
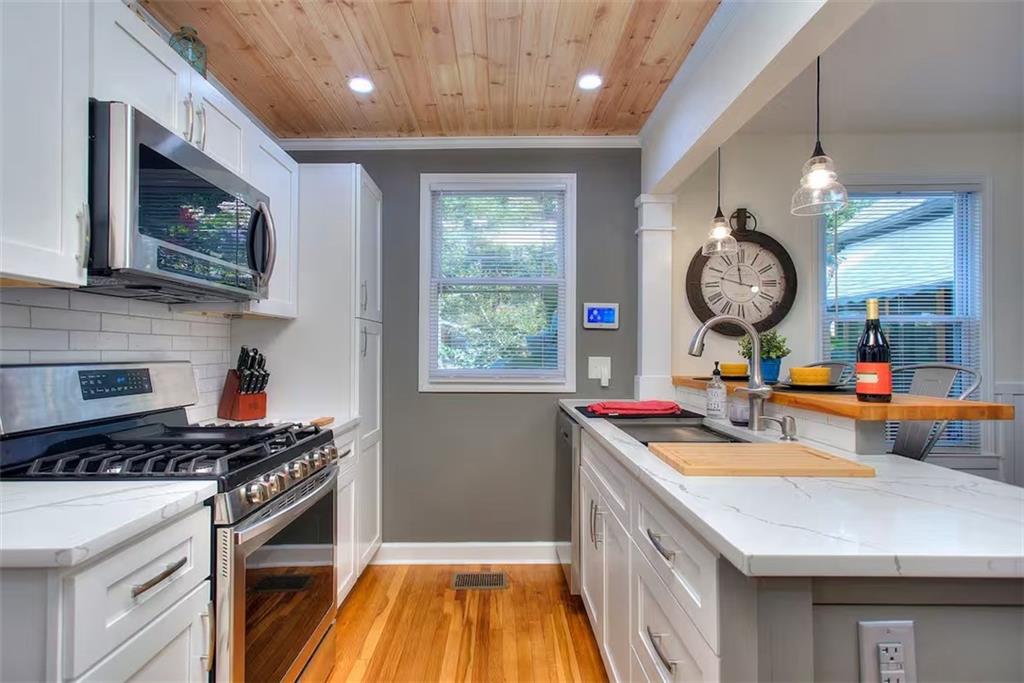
(406, 623)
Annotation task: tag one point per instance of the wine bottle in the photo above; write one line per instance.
(874, 367)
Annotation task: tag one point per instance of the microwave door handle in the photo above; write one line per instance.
(270, 242)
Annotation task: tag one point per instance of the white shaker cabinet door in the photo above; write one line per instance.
(368, 500)
(44, 129)
(368, 365)
(177, 646)
(220, 126)
(369, 248)
(135, 65)
(591, 555)
(346, 564)
(271, 171)
(616, 604)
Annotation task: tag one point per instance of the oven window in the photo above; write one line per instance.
(178, 207)
(289, 584)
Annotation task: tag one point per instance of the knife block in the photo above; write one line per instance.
(234, 405)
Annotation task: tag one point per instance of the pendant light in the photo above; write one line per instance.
(720, 239)
(820, 191)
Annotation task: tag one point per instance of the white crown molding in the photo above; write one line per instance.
(467, 553)
(475, 142)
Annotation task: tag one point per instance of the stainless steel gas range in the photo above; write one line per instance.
(275, 528)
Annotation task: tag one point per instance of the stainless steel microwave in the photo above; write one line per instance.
(167, 222)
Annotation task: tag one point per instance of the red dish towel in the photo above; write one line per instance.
(635, 408)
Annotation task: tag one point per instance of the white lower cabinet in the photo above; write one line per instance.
(346, 566)
(176, 646)
(368, 513)
(591, 557)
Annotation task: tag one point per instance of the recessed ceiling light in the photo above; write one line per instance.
(360, 84)
(589, 81)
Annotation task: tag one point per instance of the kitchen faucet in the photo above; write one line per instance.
(758, 391)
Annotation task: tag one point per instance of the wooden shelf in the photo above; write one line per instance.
(903, 406)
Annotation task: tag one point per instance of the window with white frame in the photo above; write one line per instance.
(497, 282)
(919, 253)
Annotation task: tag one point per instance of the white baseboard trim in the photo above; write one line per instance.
(468, 553)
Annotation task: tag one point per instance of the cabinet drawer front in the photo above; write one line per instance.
(109, 601)
(612, 478)
(687, 566)
(667, 644)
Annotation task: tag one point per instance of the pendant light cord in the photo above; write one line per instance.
(719, 178)
(817, 105)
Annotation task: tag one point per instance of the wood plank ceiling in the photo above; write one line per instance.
(443, 67)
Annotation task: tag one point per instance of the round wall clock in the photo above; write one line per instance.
(758, 283)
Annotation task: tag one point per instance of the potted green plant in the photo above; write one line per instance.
(773, 350)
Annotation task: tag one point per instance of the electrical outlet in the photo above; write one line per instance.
(887, 652)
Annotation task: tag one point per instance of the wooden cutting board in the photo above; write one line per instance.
(756, 460)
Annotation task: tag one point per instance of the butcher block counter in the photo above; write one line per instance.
(902, 407)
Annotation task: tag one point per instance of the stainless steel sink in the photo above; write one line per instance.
(671, 430)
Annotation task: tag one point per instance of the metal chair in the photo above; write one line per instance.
(917, 439)
(836, 370)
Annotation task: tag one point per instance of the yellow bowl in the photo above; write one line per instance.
(809, 375)
(733, 369)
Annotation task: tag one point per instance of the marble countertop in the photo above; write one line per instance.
(64, 523)
(911, 519)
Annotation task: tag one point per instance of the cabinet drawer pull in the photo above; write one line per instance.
(363, 295)
(202, 136)
(210, 630)
(190, 113)
(655, 639)
(141, 588)
(659, 546)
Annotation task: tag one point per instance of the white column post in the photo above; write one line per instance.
(654, 301)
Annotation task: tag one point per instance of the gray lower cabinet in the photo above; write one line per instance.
(666, 607)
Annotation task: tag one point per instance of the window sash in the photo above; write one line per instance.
(548, 348)
(959, 331)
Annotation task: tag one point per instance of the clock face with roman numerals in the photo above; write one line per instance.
(757, 284)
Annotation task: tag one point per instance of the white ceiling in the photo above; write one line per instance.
(911, 66)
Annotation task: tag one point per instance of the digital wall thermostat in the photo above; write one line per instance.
(601, 316)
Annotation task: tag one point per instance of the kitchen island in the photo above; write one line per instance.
(774, 573)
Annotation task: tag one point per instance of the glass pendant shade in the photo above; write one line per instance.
(820, 191)
(720, 239)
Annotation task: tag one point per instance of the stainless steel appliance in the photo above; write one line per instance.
(567, 452)
(274, 514)
(167, 222)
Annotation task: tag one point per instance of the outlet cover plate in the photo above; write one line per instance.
(874, 633)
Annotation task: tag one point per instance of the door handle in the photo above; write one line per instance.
(149, 584)
(363, 295)
(363, 343)
(659, 546)
(190, 113)
(598, 513)
(202, 136)
(210, 630)
(655, 639)
(267, 268)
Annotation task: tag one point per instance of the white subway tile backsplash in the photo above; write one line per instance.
(214, 370)
(13, 357)
(60, 319)
(14, 316)
(142, 356)
(210, 384)
(35, 296)
(148, 342)
(209, 330)
(208, 357)
(189, 343)
(99, 341)
(125, 323)
(221, 343)
(65, 356)
(170, 327)
(149, 309)
(24, 339)
(83, 301)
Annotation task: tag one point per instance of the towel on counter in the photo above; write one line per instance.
(635, 408)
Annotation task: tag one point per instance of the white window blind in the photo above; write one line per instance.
(919, 254)
(497, 301)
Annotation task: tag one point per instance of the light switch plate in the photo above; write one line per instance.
(599, 367)
(887, 653)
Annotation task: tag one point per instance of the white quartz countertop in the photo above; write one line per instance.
(911, 519)
(64, 523)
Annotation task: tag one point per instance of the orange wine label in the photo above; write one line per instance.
(874, 378)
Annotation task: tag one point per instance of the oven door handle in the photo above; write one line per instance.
(289, 514)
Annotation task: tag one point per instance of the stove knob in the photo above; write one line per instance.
(332, 453)
(298, 469)
(315, 458)
(256, 492)
(275, 483)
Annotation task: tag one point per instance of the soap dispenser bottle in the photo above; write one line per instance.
(716, 395)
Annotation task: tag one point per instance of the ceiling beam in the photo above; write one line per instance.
(747, 54)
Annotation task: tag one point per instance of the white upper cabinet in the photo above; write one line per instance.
(273, 172)
(369, 369)
(218, 125)
(368, 237)
(44, 91)
(133, 64)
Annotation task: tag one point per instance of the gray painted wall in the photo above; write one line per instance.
(481, 467)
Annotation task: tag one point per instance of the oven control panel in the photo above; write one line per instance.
(109, 383)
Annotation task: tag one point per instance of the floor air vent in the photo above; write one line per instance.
(479, 581)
